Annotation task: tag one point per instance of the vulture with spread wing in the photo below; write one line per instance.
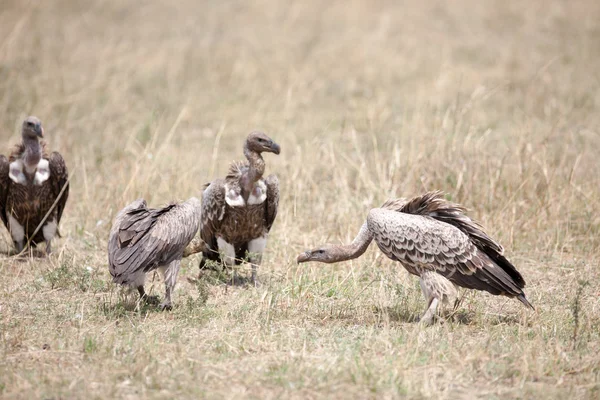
(143, 239)
(435, 240)
(34, 187)
(238, 211)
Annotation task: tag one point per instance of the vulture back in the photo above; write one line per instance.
(432, 204)
(143, 239)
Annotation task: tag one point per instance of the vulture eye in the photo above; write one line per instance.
(261, 140)
(30, 124)
(320, 251)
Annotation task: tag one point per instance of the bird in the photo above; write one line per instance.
(34, 187)
(238, 211)
(435, 240)
(143, 239)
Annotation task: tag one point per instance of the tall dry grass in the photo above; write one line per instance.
(494, 102)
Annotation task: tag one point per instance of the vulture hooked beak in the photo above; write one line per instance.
(303, 257)
(274, 147)
(32, 125)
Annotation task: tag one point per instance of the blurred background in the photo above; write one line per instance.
(493, 102)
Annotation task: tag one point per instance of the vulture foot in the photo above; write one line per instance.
(254, 277)
(457, 304)
(255, 281)
(429, 317)
(165, 306)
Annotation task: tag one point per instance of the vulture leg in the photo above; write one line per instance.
(170, 277)
(17, 232)
(48, 231)
(457, 302)
(139, 284)
(253, 275)
(228, 252)
(430, 313)
(436, 289)
(256, 247)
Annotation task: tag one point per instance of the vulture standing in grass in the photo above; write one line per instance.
(238, 211)
(34, 187)
(435, 240)
(143, 239)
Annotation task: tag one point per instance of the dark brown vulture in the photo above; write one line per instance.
(238, 211)
(34, 188)
(143, 239)
(433, 239)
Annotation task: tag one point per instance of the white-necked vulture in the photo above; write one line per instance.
(238, 211)
(34, 187)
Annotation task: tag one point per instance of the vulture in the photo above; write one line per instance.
(34, 187)
(143, 239)
(435, 240)
(238, 211)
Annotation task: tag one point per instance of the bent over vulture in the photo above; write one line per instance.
(238, 211)
(433, 239)
(143, 239)
(34, 187)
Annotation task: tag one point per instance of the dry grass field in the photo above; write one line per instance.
(497, 103)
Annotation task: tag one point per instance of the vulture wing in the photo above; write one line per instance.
(144, 238)
(59, 179)
(434, 205)
(4, 183)
(424, 243)
(272, 200)
(213, 210)
(114, 245)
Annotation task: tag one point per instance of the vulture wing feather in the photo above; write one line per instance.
(213, 210)
(433, 204)
(423, 243)
(4, 184)
(272, 202)
(153, 237)
(59, 179)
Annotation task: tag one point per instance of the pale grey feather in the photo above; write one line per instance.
(428, 234)
(143, 239)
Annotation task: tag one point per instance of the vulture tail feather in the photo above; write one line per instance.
(524, 300)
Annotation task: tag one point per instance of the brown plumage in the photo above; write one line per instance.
(34, 187)
(143, 239)
(238, 211)
(435, 240)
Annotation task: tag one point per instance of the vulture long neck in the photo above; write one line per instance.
(256, 170)
(33, 152)
(353, 250)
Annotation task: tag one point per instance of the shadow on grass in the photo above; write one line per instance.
(510, 319)
(128, 306)
(398, 314)
(32, 252)
(403, 314)
(229, 277)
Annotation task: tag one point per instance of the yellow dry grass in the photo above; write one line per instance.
(494, 102)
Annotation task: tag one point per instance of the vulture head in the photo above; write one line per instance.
(325, 254)
(32, 128)
(260, 143)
